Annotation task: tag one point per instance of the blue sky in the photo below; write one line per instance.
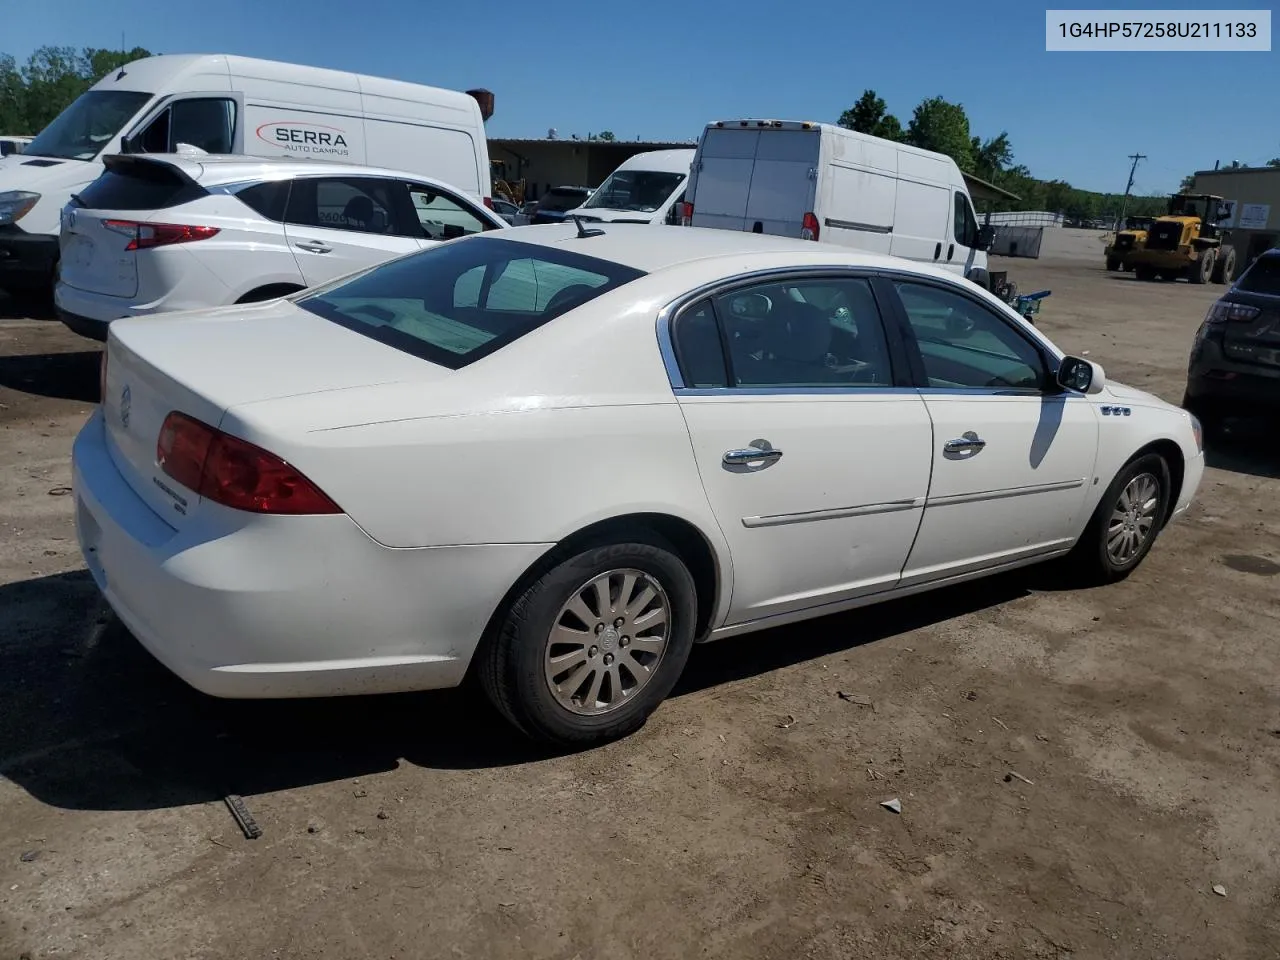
(661, 68)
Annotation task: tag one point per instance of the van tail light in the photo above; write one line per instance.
(488, 202)
(234, 472)
(809, 227)
(686, 214)
(146, 235)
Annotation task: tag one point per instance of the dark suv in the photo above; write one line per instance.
(1235, 360)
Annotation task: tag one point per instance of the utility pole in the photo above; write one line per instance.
(1124, 202)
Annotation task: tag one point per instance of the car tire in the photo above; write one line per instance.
(1225, 268)
(1106, 551)
(536, 679)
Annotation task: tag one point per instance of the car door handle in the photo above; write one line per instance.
(937, 251)
(970, 441)
(951, 250)
(752, 455)
(312, 246)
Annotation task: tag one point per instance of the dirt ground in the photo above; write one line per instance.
(744, 821)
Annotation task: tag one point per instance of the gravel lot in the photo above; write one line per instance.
(744, 820)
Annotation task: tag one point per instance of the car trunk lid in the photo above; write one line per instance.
(204, 364)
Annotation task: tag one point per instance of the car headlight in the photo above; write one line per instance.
(16, 204)
(1197, 431)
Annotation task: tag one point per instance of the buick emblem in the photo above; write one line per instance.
(126, 401)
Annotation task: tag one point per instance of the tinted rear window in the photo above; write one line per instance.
(268, 199)
(461, 301)
(1263, 276)
(139, 186)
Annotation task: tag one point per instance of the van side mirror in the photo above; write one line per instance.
(986, 237)
(1080, 375)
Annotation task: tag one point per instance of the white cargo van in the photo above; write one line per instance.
(227, 104)
(646, 188)
(822, 182)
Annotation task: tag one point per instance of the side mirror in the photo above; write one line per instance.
(986, 237)
(1082, 376)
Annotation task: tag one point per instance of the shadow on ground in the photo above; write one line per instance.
(1247, 447)
(64, 376)
(88, 720)
(26, 308)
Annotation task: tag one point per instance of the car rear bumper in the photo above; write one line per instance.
(85, 326)
(283, 606)
(1242, 389)
(26, 260)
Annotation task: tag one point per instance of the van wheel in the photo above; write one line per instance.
(589, 650)
(1125, 524)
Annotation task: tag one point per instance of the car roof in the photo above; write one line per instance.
(220, 168)
(651, 248)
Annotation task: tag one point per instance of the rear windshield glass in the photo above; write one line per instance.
(139, 186)
(1263, 276)
(461, 301)
(84, 128)
(561, 199)
(642, 190)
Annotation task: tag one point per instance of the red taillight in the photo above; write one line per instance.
(809, 227)
(234, 472)
(488, 202)
(686, 214)
(147, 235)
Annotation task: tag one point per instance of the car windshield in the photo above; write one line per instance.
(562, 198)
(461, 301)
(643, 190)
(82, 130)
(1262, 277)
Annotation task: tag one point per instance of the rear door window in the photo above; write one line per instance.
(457, 302)
(267, 199)
(358, 204)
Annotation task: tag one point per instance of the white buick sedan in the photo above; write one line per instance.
(560, 456)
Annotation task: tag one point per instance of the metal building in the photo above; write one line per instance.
(1254, 195)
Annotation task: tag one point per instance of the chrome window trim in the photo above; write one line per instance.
(671, 312)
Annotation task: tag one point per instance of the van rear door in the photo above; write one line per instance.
(756, 179)
(784, 181)
(722, 172)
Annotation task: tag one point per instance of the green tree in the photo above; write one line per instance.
(606, 135)
(1274, 162)
(52, 77)
(944, 128)
(868, 115)
(13, 91)
(990, 157)
(1188, 182)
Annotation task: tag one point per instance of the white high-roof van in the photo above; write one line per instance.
(822, 182)
(230, 105)
(646, 188)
